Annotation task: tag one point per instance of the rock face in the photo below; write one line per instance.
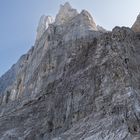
(101, 29)
(136, 25)
(74, 83)
(66, 13)
(43, 25)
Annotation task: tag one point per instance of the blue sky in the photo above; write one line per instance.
(19, 19)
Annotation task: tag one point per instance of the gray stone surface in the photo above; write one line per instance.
(136, 25)
(101, 29)
(76, 83)
(7, 79)
(65, 14)
(43, 25)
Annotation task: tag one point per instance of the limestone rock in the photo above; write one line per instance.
(65, 13)
(43, 25)
(74, 83)
(7, 79)
(101, 29)
(136, 25)
(87, 18)
(68, 15)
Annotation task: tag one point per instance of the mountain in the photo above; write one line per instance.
(136, 25)
(78, 81)
(101, 29)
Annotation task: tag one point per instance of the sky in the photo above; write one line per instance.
(19, 20)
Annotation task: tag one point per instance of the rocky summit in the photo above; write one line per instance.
(78, 82)
(136, 25)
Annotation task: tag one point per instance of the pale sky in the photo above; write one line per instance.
(19, 19)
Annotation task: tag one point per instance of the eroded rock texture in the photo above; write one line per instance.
(76, 83)
(136, 25)
(66, 13)
(43, 25)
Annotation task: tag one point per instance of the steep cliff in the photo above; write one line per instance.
(76, 82)
(136, 25)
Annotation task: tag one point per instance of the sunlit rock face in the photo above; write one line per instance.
(43, 25)
(28, 74)
(101, 29)
(65, 14)
(136, 25)
(76, 82)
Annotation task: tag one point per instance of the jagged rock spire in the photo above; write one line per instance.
(88, 20)
(136, 25)
(66, 13)
(43, 25)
